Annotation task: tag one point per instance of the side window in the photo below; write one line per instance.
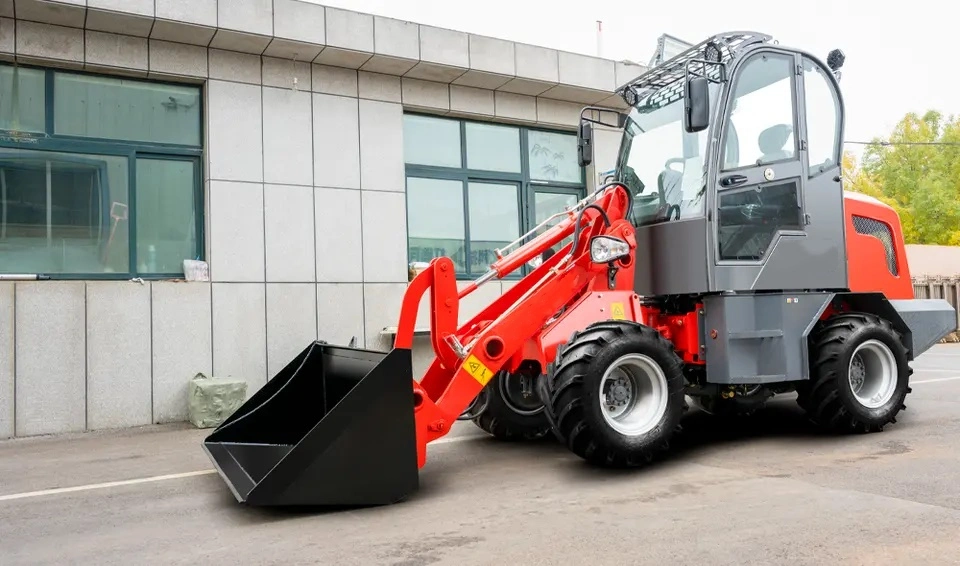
(750, 218)
(762, 113)
(823, 118)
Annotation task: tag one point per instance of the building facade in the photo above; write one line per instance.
(307, 154)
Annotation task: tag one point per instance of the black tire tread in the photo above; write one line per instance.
(820, 398)
(564, 394)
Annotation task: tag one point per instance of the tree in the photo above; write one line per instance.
(919, 179)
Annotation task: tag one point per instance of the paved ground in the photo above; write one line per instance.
(775, 494)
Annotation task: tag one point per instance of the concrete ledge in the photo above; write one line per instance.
(313, 33)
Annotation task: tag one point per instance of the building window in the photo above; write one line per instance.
(474, 187)
(99, 176)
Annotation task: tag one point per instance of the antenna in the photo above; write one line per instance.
(599, 38)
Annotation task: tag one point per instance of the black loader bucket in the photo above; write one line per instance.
(334, 427)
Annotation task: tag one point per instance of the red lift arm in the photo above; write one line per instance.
(469, 356)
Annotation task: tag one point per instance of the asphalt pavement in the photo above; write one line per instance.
(773, 492)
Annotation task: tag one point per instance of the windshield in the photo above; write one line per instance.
(662, 164)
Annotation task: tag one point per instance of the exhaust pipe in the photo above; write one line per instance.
(334, 427)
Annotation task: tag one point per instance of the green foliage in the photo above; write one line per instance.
(922, 182)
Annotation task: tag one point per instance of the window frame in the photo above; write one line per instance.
(50, 141)
(528, 187)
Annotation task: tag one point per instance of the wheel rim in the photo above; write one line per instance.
(872, 374)
(522, 402)
(633, 395)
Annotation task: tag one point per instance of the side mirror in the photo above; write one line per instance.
(696, 105)
(585, 144)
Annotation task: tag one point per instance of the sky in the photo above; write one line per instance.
(892, 56)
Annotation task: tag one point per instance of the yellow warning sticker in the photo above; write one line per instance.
(479, 371)
(617, 311)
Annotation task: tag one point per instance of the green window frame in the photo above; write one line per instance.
(441, 181)
(97, 142)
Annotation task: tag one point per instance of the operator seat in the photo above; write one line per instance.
(771, 142)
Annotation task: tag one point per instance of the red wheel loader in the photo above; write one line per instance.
(724, 262)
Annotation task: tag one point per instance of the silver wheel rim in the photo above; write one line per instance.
(872, 374)
(633, 395)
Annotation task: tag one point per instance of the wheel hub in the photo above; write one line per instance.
(633, 394)
(872, 374)
(518, 394)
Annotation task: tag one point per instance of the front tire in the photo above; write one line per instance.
(859, 374)
(616, 397)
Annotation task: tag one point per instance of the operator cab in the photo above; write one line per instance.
(731, 151)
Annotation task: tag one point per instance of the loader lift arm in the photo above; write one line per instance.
(469, 356)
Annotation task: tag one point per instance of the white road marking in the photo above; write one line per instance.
(935, 380)
(447, 440)
(102, 485)
(120, 483)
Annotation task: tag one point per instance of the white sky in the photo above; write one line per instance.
(893, 55)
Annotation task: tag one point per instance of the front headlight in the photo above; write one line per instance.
(604, 249)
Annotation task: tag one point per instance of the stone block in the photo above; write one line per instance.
(444, 46)
(236, 232)
(8, 29)
(381, 146)
(538, 63)
(47, 41)
(515, 106)
(291, 322)
(336, 141)
(586, 71)
(139, 7)
(177, 59)
(469, 100)
(51, 389)
(118, 355)
(252, 16)
(180, 32)
(492, 55)
(340, 313)
(234, 66)
(375, 86)
(289, 233)
(122, 22)
(239, 333)
(69, 13)
(425, 94)
(182, 344)
(202, 12)
(286, 74)
(349, 30)
(235, 149)
(384, 228)
(211, 400)
(287, 135)
(116, 51)
(334, 80)
(339, 239)
(299, 20)
(7, 351)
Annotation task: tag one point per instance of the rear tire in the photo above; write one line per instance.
(859, 374)
(616, 397)
(509, 415)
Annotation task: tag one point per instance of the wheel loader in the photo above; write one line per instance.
(722, 262)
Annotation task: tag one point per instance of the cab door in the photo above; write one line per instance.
(761, 223)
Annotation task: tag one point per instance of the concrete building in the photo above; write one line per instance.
(306, 153)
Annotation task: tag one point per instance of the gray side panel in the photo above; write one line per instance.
(760, 338)
(672, 258)
(929, 320)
